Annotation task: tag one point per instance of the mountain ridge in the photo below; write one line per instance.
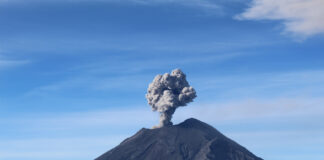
(189, 140)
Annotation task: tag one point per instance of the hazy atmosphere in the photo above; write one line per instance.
(74, 73)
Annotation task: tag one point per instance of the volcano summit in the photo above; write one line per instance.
(189, 140)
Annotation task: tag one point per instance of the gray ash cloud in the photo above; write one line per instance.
(167, 92)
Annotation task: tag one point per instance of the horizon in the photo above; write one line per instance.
(74, 74)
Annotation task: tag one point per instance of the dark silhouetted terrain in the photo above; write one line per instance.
(189, 140)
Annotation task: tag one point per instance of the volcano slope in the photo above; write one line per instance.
(189, 140)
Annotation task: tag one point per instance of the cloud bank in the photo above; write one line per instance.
(301, 18)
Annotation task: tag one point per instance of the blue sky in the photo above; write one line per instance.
(73, 74)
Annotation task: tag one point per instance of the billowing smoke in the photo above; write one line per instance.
(167, 92)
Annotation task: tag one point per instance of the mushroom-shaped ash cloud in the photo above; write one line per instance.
(167, 92)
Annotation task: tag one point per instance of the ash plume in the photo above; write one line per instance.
(167, 92)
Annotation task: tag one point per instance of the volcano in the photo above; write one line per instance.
(189, 140)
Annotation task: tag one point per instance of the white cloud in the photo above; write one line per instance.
(301, 18)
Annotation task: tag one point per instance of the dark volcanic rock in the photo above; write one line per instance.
(189, 140)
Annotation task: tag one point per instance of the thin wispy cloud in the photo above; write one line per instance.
(197, 3)
(290, 141)
(129, 65)
(57, 147)
(122, 43)
(4, 63)
(212, 112)
(57, 129)
(301, 18)
(95, 76)
(264, 85)
(207, 4)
